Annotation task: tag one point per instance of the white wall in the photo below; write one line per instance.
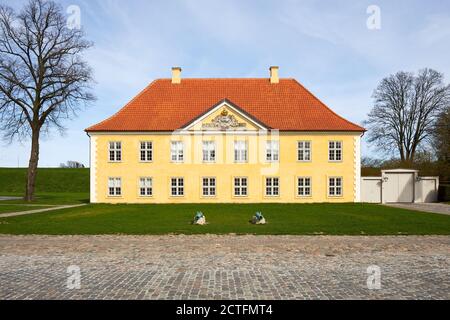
(371, 189)
(425, 189)
(93, 168)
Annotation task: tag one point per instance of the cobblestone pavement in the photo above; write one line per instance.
(427, 207)
(224, 267)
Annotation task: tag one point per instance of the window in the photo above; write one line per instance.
(240, 151)
(209, 151)
(272, 150)
(334, 150)
(177, 187)
(146, 151)
(303, 186)
(115, 151)
(114, 186)
(176, 151)
(145, 186)
(335, 186)
(209, 187)
(240, 186)
(272, 186)
(304, 151)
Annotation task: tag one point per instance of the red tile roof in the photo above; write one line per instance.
(287, 106)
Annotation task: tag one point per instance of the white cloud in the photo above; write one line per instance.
(437, 29)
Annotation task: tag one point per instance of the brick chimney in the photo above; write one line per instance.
(274, 74)
(176, 75)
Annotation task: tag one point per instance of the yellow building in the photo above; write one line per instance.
(225, 140)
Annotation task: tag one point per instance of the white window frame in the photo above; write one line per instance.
(115, 151)
(209, 151)
(178, 187)
(177, 151)
(240, 151)
(304, 153)
(303, 186)
(146, 185)
(272, 186)
(145, 151)
(210, 188)
(333, 186)
(272, 150)
(335, 148)
(114, 186)
(240, 187)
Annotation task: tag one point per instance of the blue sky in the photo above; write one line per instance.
(326, 45)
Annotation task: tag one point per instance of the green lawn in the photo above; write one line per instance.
(51, 198)
(351, 219)
(12, 180)
(53, 185)
(15, 208)
(336, 219)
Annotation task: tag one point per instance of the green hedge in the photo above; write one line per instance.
(444, 192)
(12, 180)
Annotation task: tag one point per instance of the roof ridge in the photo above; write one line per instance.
(231, 78)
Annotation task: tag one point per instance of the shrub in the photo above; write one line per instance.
(444, 192)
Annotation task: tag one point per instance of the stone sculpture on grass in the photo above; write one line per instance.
(258, 218)
(199, 218)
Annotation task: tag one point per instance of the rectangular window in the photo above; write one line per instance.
(303, 186)
(176, 151)
(304, 151)
(272, 150)
(240, 151)
(177, 187)
(115, 151)
(209, 151)
(272, 186)
(240, 186)
(335, 186)
(146, 151)
(114, 186)
(209, 187)
(145, 186)
(334, 150)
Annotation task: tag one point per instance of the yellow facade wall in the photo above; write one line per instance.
(161, 169)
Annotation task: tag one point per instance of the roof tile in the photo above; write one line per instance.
(163, 106)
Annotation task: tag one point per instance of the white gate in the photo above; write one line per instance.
(399, 185)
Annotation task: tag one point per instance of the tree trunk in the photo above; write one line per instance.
(402, 153)
(413, 152)
(32, 165)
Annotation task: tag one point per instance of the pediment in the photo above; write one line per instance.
(225, 116)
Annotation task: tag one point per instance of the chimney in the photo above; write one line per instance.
(274, 74)
(176, 75)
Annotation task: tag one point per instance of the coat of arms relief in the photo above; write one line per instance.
(224, 121)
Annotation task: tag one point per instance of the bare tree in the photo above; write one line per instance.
(71, 165)
(371, 162)
(441, 136)
(43, 78)
(405, 110)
